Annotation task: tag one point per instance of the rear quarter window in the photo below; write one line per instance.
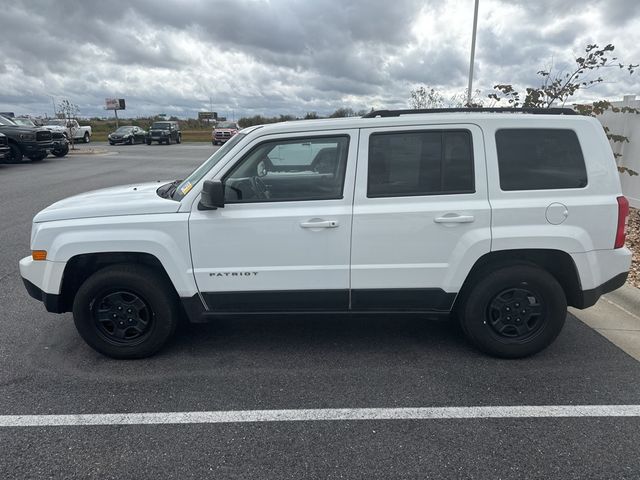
(540, 159)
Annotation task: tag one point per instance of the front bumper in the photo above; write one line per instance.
(52, 302)
(43, 280)
(35, 148)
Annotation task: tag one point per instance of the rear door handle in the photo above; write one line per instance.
(454, 218)
(320, 224)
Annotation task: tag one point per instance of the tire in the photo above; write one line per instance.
(513, 312)
(131, 141)
(39, 158)
(86, 137)
(169, 141)
(179, 139)
(148, 142)
(117, 289)
(62, 152)
(111, 143)
(15, 154)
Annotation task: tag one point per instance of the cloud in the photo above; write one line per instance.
(287, 56)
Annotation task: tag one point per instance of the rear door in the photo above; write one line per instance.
(421, 216)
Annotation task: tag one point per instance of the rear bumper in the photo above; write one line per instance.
(590, 297)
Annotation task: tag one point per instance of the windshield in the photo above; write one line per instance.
(24, 121)
(161, 125)
(5, 121)
(226, 125)
(124, 130)
(201, 171)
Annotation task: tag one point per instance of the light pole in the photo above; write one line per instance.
(473, 52)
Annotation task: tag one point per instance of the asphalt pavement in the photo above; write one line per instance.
(287, 362)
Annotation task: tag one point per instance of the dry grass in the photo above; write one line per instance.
(633, 242)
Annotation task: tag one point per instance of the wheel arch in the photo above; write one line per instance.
(557, 262)
(80, 267)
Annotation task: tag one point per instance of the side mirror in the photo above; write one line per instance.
(212, 195)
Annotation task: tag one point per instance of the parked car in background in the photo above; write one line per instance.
(4, 146)
(72, 128)
(223, 131)
(128, 134)
(35, 143)
(60, 144)
(164, 132)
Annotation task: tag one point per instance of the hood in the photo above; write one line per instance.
(55, 128)
(9, 129)
(137, 199)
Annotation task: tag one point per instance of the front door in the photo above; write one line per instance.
(282, 240)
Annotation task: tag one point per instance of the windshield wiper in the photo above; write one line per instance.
(167, 190)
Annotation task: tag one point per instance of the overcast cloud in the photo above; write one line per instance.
(247, 57)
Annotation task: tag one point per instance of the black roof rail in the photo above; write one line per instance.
(539, 111)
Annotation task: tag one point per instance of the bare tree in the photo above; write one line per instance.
(558, 87)
(69, 112)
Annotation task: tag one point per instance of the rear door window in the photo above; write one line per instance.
(431, 162)
(540, 159)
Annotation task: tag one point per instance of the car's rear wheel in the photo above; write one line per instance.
(126, 312)
(86, 137)
(513, 312)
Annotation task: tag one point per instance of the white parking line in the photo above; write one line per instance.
(324, 414)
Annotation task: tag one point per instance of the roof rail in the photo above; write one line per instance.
(539, 111)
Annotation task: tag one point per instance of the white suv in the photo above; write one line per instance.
(501, 218)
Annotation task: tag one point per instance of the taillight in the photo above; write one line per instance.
(623, 221)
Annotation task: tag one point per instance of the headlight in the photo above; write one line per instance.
(27, 136)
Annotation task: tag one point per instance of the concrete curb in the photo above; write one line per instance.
(616, 316)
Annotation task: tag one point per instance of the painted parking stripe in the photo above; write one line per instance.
(325, 414)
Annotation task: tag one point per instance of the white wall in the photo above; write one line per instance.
(627, 124)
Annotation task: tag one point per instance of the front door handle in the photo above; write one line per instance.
(320, 224)
(454, 218)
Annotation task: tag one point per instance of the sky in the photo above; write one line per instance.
(249, 57)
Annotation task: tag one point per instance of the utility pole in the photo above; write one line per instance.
(473, 52)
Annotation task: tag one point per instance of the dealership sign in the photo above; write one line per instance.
(114, 103)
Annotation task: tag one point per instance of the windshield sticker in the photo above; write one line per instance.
(186, 188)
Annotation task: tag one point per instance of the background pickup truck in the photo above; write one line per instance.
(72, 128)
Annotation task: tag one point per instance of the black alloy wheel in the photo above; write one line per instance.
(515, 314)
(512, 311)
(122, 317)
(126, 311)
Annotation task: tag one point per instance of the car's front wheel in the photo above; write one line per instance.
(126, 312)
(15, 154)
(61, 152)
(514, 311)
